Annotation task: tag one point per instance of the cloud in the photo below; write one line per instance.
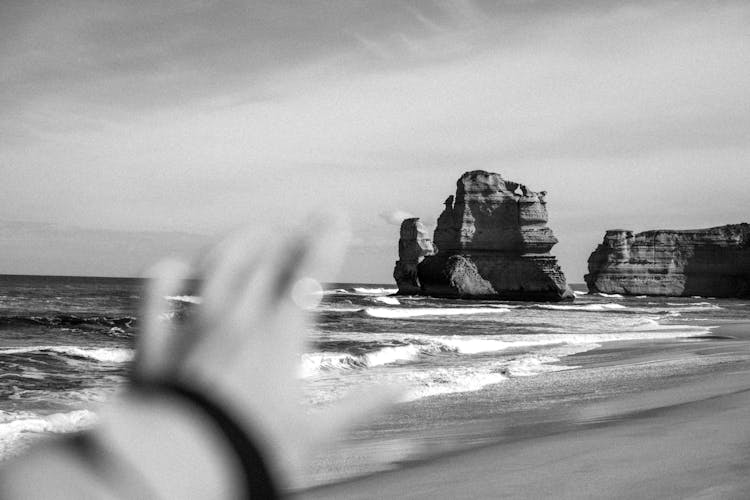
(40, 248)
(155, 116)
(395, 217)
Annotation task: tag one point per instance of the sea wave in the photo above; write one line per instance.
(101, 354)
(673, 307)
(611, 306)
(413, 347)
(450, 381)
(415, 312)
(16, 429)
(326, 309)
(392, 301)
(337, 291)
(318, 362)
(704, 305)
(374, 291)
(68, 320)
(465, 344)
(429, 365)
(532, 365)
(190, 299)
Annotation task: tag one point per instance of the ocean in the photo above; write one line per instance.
(66, 345)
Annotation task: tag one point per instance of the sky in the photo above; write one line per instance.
(133, 130)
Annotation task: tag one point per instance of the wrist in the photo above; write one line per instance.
(174, 448)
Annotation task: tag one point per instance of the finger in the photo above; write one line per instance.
(227, 267)
(280, 285)
(250, 329)
(156, 340)
(255, 325)
(262, 333)
(356, 408)
(315, 252)
(329, 240)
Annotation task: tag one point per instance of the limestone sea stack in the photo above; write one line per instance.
(491, 241)
(711, 262)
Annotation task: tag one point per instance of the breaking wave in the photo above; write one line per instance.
(391, 301)
(375, 291)
(68, 320)
(584, 307)
(101, 354)
(337, 291)
(190, 299)
(655, 308)
(315, 363)
(415, 312)
(16, 429)
(451, 381)
(318, 362)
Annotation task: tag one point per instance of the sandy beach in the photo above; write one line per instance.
(685, 435)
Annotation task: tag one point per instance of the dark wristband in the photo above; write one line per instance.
(257, 481)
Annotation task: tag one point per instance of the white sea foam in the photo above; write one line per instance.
(705, 305)
(696, 307)
(339, 309)
(465, 344)
(610, 295)
(375, 291)
(419, 345)
(529, 366)
(579, 294)
(415, 312)
(337, 291)
(317, 362)
(553, 348)
(583, 307)
(394, 354)
(470, 362)
(192, 299)
(535, 363)
(449, 381)
(102, 354)
(16, 429)
(392, 301)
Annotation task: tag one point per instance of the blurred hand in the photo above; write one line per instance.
(242, 345)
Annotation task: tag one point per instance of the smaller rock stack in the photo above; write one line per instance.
(413, 246)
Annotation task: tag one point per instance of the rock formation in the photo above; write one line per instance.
(413, 246)
(711, 262)
(491, 241)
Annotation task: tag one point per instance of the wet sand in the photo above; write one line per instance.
(685, 436)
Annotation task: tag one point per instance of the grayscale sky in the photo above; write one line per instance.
(133, 129)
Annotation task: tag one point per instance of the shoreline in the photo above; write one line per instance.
(708, 378)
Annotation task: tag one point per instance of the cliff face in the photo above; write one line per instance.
(710, 262)
(491, 241)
